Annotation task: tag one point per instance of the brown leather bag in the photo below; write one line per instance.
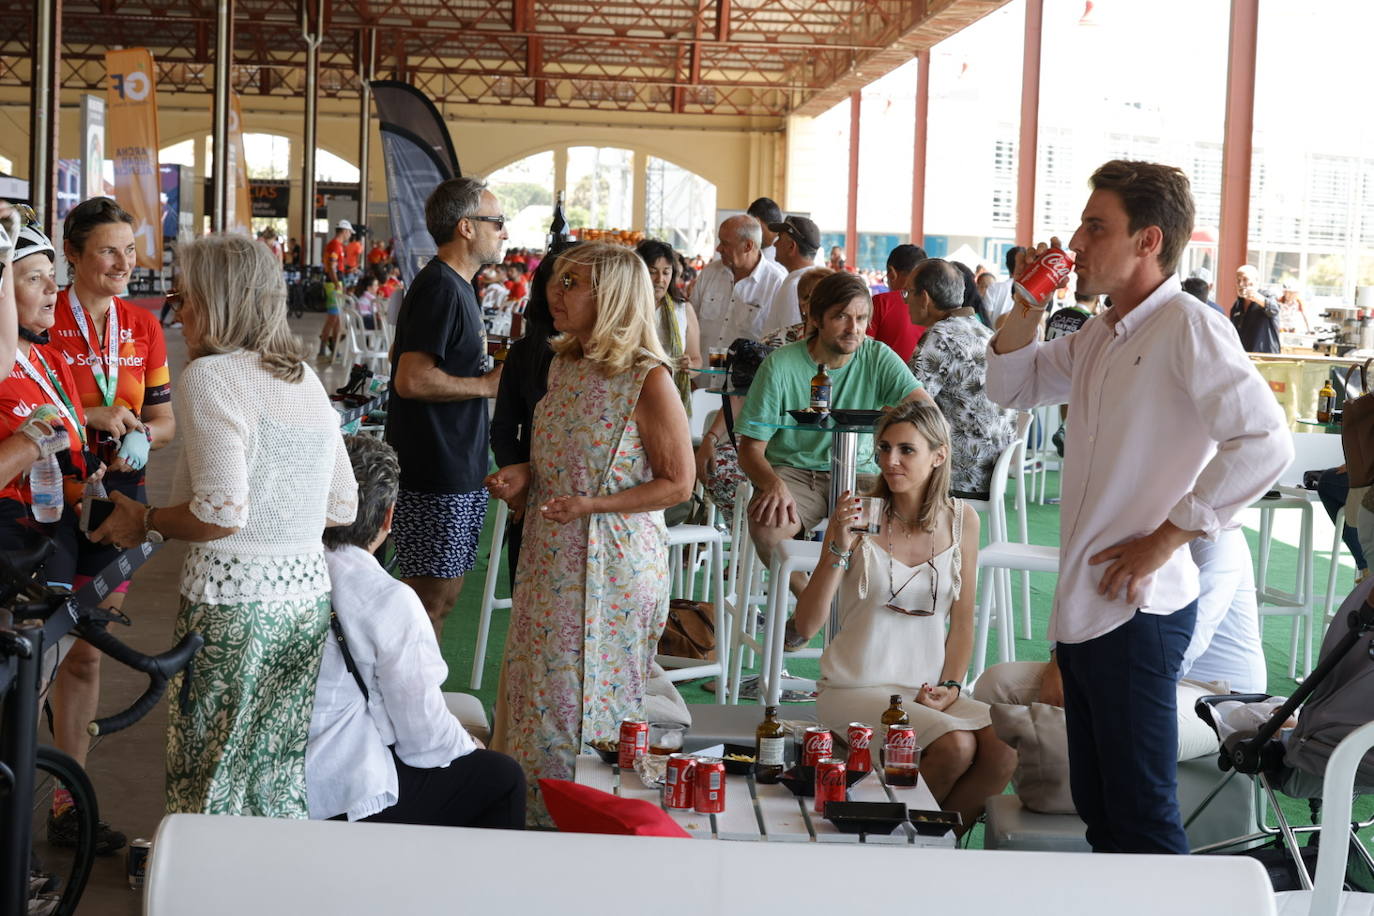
(690, 631)
(1357, 431)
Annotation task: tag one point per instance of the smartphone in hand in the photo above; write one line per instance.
(94, 511)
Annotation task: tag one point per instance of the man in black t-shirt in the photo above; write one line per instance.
(437, 416)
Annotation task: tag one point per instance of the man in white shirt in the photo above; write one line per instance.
(733, 296)
(797, 239)
(767, 212)
(1171, 432)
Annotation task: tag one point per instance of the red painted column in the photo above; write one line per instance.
(1233, 245)
(1030, 124)
(851, 221)
(918, 150)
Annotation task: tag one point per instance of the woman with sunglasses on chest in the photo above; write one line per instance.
(906, 613)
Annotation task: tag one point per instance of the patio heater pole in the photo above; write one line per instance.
(367, 70)
(224, 25)
(45, 98)
(311, 32)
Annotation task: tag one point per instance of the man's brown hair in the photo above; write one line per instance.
(1153, 195)
(836, 289)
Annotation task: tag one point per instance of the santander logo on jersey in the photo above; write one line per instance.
(21, 409)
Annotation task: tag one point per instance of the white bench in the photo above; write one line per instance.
(218, 866)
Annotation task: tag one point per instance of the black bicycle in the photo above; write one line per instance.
(33, 617)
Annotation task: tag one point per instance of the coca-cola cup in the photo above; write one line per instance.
(1043, 275)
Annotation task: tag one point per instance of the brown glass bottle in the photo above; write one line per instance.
(895, 714)
(820, 390)
(770, 747)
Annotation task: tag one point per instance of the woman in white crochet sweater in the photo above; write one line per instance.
(262, 472)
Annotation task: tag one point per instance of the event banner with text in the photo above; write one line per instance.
(132, 141)
(239, 213)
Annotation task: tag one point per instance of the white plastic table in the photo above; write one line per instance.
(769, 813)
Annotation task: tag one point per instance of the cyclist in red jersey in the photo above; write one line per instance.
(118, 360)
(335, 266)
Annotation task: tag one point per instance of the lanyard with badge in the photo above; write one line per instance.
(53, 390)
(108, 380)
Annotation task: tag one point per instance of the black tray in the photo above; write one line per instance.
(855, 417)
(865, 817)
(801, 781)
(738, 767)
(934, 823)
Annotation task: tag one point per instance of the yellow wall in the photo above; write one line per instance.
(743, 157)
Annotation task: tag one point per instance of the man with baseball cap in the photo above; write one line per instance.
(796, 241)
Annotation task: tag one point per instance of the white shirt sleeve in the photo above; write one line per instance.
(409, 675)
(215, 442)
(1038, 373)
(1254, 445)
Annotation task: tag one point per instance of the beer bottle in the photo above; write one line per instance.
(895, 714)
(820, 390)
(558, 228)
(770, 747)
(1326, 402)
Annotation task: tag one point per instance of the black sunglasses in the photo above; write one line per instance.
(499, 221)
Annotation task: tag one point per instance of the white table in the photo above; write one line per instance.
(771, 813)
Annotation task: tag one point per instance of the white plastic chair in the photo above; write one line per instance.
(489, 599)
(1000, 556)
(358, 348)
(1310, 451)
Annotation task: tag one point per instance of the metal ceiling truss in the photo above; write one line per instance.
(735, 57)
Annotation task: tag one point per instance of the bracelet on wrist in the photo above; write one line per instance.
(844, 555)
(955, 684)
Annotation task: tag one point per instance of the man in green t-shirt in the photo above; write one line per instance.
(790, 469)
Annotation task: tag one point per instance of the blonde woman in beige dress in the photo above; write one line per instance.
(906, 613)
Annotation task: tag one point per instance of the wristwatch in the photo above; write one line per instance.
(151, 534)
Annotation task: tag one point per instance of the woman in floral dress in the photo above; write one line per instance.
(611, 449)
(263, 470)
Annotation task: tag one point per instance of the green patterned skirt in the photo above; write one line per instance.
(238, 746)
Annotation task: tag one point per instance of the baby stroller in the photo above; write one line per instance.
(1336, 699)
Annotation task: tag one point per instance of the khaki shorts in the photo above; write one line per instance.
(811, 492)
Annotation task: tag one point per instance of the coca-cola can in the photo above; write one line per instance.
(901, 744)
(678, 784)
(830, 782)
(859, 737)
(817, 745)
(1044, 275)
(634, 742)
(709, 785)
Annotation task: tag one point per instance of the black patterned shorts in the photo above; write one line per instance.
(436, 534)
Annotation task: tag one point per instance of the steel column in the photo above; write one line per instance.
(1237, 148)
(224, 75)
(1029, 141)
(45, 101)
(918, 150)
(368, 55)
(311, 32)
(851, 219)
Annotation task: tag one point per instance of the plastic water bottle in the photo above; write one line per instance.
(45, 482)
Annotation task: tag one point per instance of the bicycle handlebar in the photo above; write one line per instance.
(159, 668)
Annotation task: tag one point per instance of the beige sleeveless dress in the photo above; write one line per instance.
(879, 652)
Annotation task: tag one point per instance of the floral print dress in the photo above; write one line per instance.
(591, 596)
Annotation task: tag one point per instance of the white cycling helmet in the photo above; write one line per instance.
(31, 240)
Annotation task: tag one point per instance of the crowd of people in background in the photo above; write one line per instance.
(592, 444)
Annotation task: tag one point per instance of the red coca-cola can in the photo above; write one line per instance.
(1044, 275)
(679, 785)
(634, 742)
(859, 737)
(830, 782)
(901, 744)
(709, 785)
(817, 745)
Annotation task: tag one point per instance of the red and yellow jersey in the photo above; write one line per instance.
(377, 255)
(353, 253)
(333, 256)
(21, 394)
(140, 372)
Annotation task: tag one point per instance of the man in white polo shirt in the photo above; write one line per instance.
(733, 296)
(1170, 433)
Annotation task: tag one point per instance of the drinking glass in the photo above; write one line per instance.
(666, 738)
(870, 520)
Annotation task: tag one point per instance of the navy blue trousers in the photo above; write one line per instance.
(1120, 711)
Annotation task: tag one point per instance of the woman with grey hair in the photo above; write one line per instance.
(262, 471)
(383, 745)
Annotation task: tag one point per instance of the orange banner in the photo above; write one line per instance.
(239, 213)
(132, 140)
